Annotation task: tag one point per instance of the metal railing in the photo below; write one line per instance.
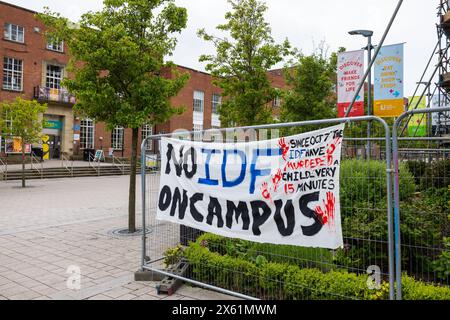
(49, 94)
(4, 169)
(357, 235)
(423, 248)
(67, 163)
(94, 163)
(37, 165)
(118, 164)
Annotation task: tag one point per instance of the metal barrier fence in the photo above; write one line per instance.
(366, 210)
(422, 218)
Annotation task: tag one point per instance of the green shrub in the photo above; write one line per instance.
(365, 181)
(437, 175)
(416, 290)
(417, 169)
(442, 265)
(270, 280)
(423, 225)
(301, 256)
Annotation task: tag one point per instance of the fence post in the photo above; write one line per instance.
(398, 266)
(389, 172)
(143, 186)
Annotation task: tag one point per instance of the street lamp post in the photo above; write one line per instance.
(368, 34)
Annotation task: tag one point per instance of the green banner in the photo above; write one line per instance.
(417, 126)
(52, 124)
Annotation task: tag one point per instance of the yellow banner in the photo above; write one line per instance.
(389, 108)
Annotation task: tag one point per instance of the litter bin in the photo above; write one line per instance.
(87, 153)
(38, 153)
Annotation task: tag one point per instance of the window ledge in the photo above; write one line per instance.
(12, 90)
(13, 41)
(56, 51)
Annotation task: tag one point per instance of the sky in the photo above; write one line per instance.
(304, 22)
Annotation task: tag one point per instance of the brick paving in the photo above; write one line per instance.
(58, 223)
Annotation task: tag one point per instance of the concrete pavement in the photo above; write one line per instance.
(55, 228)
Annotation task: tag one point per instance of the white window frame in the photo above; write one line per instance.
(14, 32)
(57, 46)
(52, 80)
(147, 130)
(199, 101)
(87, 134)
(13, 74)
(276, 103)
(215, 103)
(117, 135)
(197, 128)
(8, 124)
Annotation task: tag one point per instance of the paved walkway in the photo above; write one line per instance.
(55, 224)
(56, 164)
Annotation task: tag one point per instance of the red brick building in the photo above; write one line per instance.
(33, 69)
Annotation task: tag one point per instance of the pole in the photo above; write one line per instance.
(429, 128)
(369, 94)
(374, 57)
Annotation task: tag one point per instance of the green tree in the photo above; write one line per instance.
(25, 118)
(241, 63)
(311, 88)
(117, 59)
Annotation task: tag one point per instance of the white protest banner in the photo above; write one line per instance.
(350, 72)
(282, 191)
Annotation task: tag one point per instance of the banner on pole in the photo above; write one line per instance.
(440, 120)
(417, 126)
(349, 75)
(282, 191)
(388, 82)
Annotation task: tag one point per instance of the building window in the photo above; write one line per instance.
(55, 45)
(197, 132)
(87, 134)
(199, 98)
(14, 33)
(53, 77)
(276, 102)
(216, 100)
(117, 138)
(8, 125)
(12, 74)
(147, 131)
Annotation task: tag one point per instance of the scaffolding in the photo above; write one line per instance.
(437, 87)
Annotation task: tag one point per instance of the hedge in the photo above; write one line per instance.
(274, 280)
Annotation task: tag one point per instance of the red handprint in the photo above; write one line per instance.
(326, 215)
(265, 191)
(331, 148)
(276, 179)
(284, 148)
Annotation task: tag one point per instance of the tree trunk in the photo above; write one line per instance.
(132, 192)
(23, 164)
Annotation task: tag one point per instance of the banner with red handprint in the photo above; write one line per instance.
(282, 191)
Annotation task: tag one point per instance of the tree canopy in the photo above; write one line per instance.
(25, 122)
(241, 63)
(119, 73)
(25, 119)
(311, 93)
(117, 60)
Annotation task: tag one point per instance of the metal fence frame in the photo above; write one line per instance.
(395, 155)
(145, 261)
